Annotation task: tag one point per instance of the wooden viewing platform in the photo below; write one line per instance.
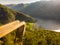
(15, 25)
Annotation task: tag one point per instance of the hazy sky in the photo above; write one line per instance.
(16, 1)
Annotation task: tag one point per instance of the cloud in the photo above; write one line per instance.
(16, 1)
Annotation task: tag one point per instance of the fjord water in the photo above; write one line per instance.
(48, 24)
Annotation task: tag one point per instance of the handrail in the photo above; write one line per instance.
(7, 28)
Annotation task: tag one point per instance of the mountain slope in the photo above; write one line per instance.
(7, 15)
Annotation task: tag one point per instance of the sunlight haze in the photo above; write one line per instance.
(18, 1)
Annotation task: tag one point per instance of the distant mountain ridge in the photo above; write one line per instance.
(41, 9)
(20, 7)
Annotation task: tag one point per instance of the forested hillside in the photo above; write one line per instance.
(41, 37)
(7, 15)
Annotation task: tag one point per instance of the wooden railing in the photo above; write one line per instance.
(7, 28)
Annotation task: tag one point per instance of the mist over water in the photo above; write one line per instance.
(48, 24)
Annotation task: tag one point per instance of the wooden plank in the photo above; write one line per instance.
(7, 28)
